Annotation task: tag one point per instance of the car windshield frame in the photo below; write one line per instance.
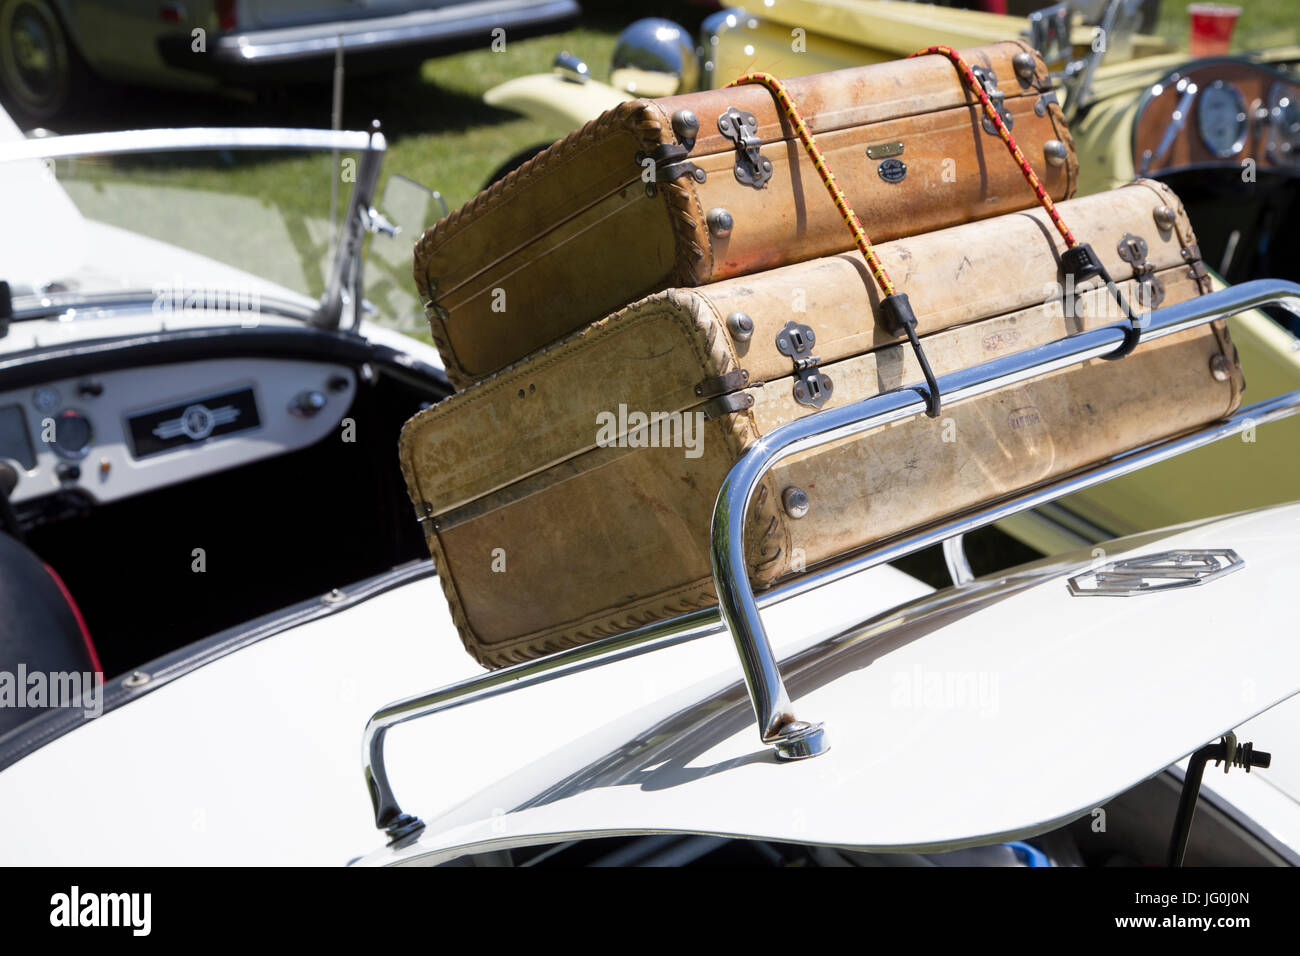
(344, 286)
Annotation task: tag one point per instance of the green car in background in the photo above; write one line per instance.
(51, 50)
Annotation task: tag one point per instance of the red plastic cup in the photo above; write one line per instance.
(1212, 26)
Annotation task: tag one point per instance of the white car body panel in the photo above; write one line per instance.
(255, 758)
(1084, 711)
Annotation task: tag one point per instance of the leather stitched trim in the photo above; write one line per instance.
(634, 115)
(698, 322)
(448, 584)
(768, 535)
(691, 597)
(1042, 83)
(1062, 129)
(693, 263)
(456, 374)
(1187, 240)
(556, 156)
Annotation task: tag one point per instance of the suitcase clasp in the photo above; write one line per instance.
(811, 387)
(988, 79)
(752, 169)
(1133, 250)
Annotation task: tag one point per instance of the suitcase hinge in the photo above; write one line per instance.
(727, 404)
(752, 169)
(670, 163)
(988, 79)
(722, 384)
(811, 386)
(1133, 250)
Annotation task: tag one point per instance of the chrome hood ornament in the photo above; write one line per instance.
(1162, 571)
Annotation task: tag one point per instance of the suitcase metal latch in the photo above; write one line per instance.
(811, 387)
(752, 169)
(988, 79)
(1151, 291)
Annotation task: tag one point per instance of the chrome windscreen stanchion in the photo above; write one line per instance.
(738, 605)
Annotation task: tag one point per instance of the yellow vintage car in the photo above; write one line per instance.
(1223, 131)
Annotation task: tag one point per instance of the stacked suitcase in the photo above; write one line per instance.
(630, 311)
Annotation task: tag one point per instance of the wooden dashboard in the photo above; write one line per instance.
(1219, 113)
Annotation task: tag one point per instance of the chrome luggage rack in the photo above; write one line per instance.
(738, 611)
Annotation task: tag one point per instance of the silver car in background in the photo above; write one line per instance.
(50, 49)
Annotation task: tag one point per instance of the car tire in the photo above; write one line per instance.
(40, 69)
(514, 162)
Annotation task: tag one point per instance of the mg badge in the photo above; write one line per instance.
(196, 422)
(892, 170)
(1156, 572)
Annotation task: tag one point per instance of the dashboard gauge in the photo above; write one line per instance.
(46, 399)
(1284, 115)
(72, 434)
(1221, 119)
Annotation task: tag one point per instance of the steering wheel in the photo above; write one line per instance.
(8, 520)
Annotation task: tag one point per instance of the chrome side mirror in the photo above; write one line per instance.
(409, 208)
(405, 210)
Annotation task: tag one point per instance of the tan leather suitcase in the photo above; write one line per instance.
(578, 232)
(557, 516)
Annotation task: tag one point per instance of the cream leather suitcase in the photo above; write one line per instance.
(569, 496)
(585, 227)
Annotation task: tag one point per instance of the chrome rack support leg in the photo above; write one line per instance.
(954, 555)
(793, 739)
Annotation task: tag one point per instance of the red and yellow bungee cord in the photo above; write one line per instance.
(975, 86)
(1078, 260)
(819, 162)
(894, 304)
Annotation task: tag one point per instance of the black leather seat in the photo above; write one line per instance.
(40, 627)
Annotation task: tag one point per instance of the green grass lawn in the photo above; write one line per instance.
(439, 131)
(460, 140)
(1263, 23)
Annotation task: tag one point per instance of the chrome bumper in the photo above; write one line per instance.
(421, 33)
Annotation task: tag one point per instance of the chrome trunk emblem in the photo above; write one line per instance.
(196, 422)
(1162, 571)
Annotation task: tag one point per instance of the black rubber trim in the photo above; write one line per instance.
(51, 725)
(40, 365)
